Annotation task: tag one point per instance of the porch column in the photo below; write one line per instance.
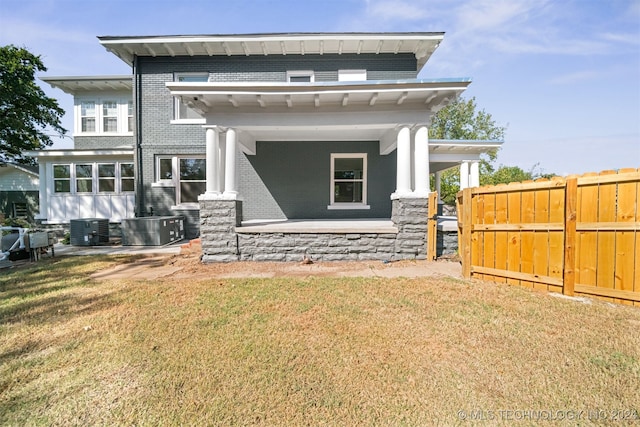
(403, 169)
(230, 189)
(44, 192)
(474, 174)
(421, 162)
(464, 175)
(213, 148)
(438, 182)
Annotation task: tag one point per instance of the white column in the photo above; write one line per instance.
(213, 148)
(230, 189)
(474, 174)
(403, 168)
(421, 162)
(464, 175)
(438, 185)
(44, 193)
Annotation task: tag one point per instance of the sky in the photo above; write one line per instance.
(562, 76)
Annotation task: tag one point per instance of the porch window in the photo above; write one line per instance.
(182, 111)
(348, 181)
(88, 116)
(106, 178)
(84, 178)
(300, 76)
(192, 180)
(62, 178)
(109, 116)
(127, 182)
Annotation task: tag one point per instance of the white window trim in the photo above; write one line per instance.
(343, 205)
(174, 182)
(176, 120)
(352, 75)
(122, 115)
(73, 188)
(301, 73)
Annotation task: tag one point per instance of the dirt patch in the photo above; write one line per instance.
(187, 265)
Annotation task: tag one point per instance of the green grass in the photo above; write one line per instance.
(303, 351)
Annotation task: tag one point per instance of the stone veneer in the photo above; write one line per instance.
(222, 243)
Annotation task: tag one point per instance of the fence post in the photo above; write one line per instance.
(432, 227)
(466, 233)
(570, 214)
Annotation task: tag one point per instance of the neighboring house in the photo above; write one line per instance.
(18, 191)
(270, 145)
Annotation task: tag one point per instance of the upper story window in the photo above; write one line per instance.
(98, 116)
(300, 76)
(348, 181)
(352, 75)
(182, 112)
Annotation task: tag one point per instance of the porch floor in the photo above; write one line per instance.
(368, 226)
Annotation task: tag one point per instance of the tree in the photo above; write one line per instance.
(460, 120)
(26, 113)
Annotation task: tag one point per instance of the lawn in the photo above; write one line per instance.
(306, 351)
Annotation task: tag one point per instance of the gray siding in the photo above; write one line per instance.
(274, 68)
(292, 180)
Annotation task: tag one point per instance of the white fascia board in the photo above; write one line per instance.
(80, 153)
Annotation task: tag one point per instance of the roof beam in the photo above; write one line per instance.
(360, 43)
(430, 98)
(321, 47)
(148, 48)
(316, 100)
(302, 47)
(188, 49)
(402, 98)
(289, 101)
(265, 51)
(283, 48)
(168, 49)
(232, 101)
(340, 47)
(398, 46)
(379, 48)
(345, 99)
(261, 101)
(207, 48)
(225, 46)
(245, 48)
(373, 99)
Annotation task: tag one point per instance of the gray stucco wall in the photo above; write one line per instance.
(292, 180)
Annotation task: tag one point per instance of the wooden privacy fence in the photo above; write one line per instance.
(575, 235)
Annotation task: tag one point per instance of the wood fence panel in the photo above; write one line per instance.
(606, 239)
(514, 216)
(625, 253)
(502, 242)
(541, 238)
(586, 254)
(527, 211)
(577, 235)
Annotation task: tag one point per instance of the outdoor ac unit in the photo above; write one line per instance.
(89, 231)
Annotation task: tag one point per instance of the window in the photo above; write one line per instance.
(348, 180)
(127, 182)
(192, 180)
(109, 116)
(130, 122)
(62, 178)
(352, 75)
(88, 116)
(300, 76)
(84, 178)
(165, 168)
(107, 178)
(182, 111)
(104, 116)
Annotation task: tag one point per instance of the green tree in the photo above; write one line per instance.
(461, 120)
(26, 113)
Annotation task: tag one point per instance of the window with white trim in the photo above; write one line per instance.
(88, 116)
(93, 178)
(182, 112)
(61, 178)
(348, 181)
(187, 174)
(97, 116)
(300, 76)
(352, 75)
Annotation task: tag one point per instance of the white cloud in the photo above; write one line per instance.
(395, 10)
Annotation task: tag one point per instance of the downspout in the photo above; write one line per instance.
(137, 95)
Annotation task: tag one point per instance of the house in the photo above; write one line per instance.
(271, 146)
(18, 190)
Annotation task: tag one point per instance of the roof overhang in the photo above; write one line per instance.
(78, 84)
(115, 152)
(420, 44)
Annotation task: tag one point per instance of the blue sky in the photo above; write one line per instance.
(563, 76)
